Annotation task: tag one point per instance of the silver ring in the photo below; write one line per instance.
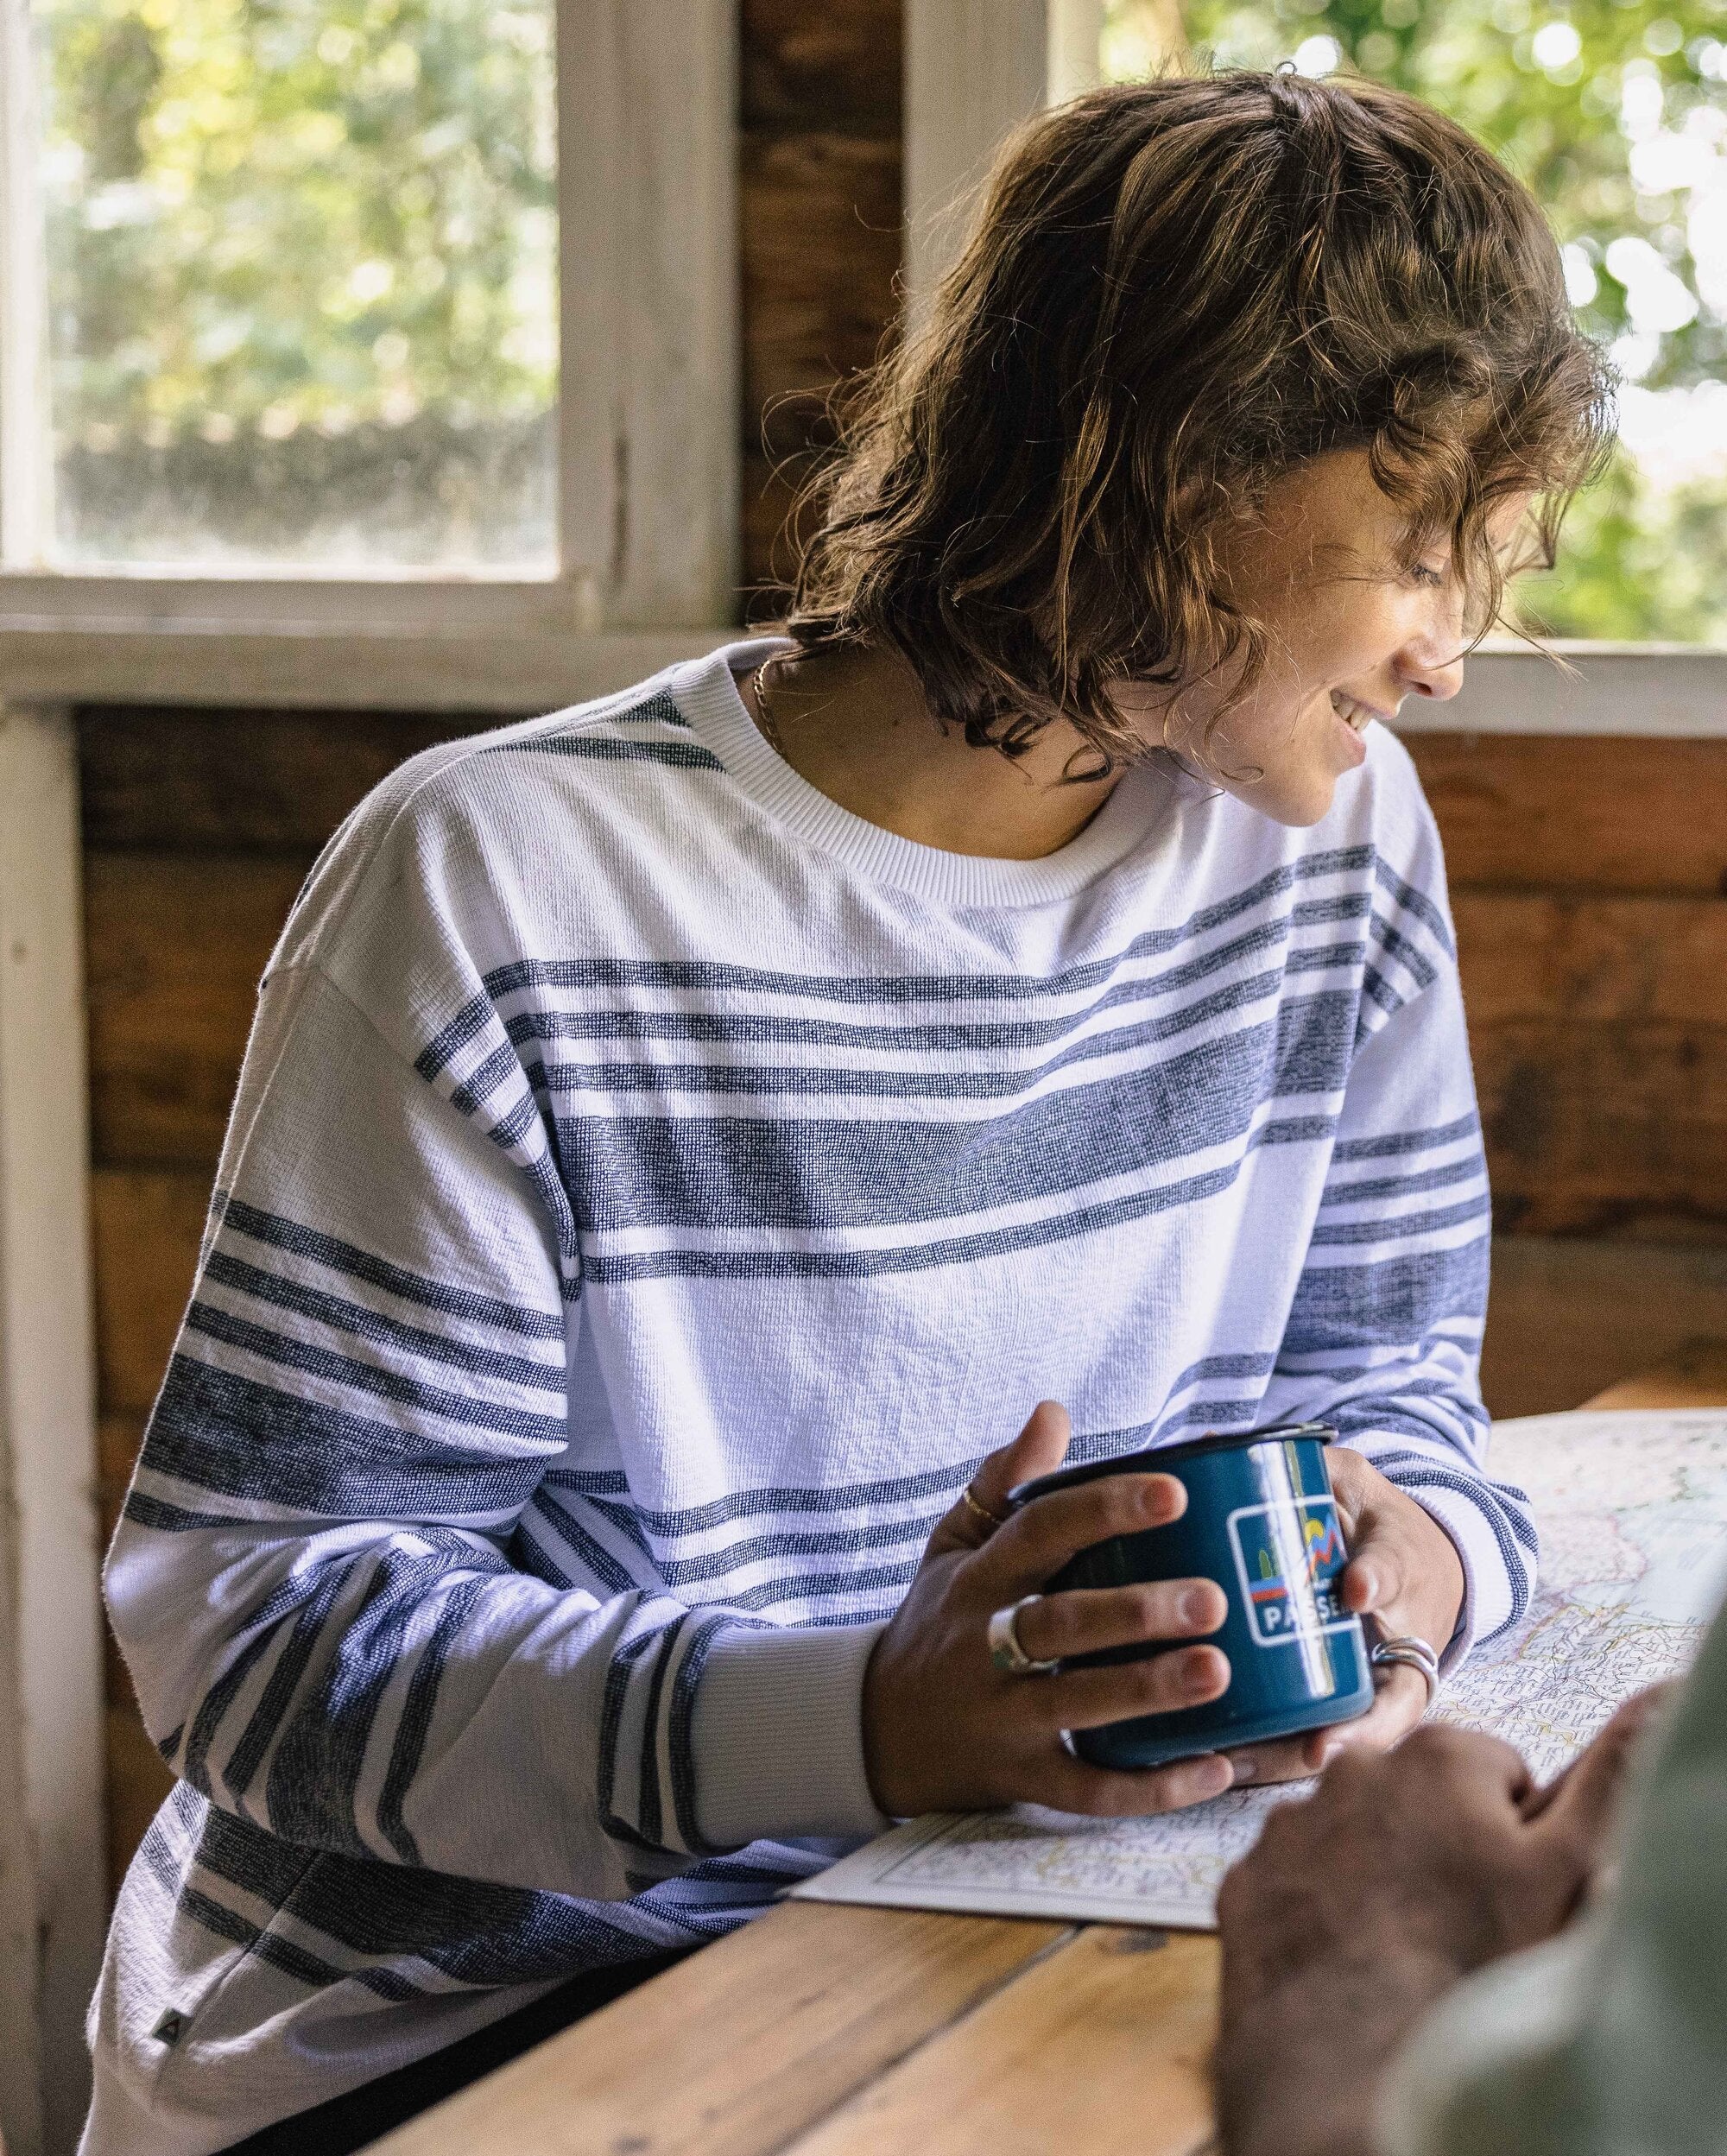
(1409, 1653)
(1005, 1651)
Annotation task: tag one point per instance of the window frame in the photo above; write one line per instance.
(53, 1723)
(647, 434)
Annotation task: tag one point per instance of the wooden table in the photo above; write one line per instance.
(820, 2031)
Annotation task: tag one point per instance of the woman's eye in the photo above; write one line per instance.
(1424, 573)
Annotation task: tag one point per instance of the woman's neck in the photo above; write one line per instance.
(855, 725)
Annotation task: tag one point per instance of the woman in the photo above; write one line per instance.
(682, 1138)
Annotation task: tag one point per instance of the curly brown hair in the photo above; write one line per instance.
(1176, 291)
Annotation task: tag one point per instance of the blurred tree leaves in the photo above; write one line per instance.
(271, 216)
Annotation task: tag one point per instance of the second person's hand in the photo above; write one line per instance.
(945, 1729)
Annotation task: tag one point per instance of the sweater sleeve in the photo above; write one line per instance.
(1384, 1337)
(325, 1580)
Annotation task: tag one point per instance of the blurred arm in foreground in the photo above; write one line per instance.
(1410, 1968)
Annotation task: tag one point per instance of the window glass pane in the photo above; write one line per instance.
(301, 261)
(1614, 111)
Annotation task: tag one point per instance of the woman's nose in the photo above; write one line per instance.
(1421, 667)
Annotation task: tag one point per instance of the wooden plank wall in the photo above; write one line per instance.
(819, 187)
(1590, 880)
(199, 827)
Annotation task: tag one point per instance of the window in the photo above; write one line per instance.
(1614, 111)
(300, 282)
(434, 297)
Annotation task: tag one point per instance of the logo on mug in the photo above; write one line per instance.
(1289, 1557)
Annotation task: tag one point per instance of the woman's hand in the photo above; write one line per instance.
(1404, 1573)
(944, 1730)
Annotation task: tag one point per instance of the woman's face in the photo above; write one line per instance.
(1354, 628)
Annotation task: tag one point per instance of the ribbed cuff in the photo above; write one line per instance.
(778, 1735)
(1486, 1589)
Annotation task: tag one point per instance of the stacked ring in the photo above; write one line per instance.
(1005, 1651)
(1409, 1653)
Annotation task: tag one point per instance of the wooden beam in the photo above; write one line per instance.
(147, 1224)
(1591, 960)
(1693, 1375)
(51, 1826)
(647, 255)
(1601, 814)
(296, 666)
(174, 781)
(1605, 1129)
(1568, 1316)
(1103, 2045)
(974, 70)
(178, 945)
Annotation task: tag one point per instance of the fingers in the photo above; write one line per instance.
(1399, 1704)
(1483, 1773)
(1040, 1449)
(1582, 1801)
(1374, 1575)
(1022, 1557)
(1284, 1759)
(1089, 1620)
(1373, 1580)
(1404, 1567)
(1351, 1483)
(1069, 1785)
(1087, 1698)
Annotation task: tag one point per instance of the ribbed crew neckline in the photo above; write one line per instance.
(705, 691)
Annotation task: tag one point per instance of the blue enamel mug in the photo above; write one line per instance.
(1262, 1520)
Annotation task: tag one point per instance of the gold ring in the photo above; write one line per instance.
(991, 1519)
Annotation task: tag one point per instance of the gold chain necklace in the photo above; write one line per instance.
(765, 717)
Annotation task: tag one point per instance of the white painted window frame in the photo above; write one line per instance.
(53, 1849)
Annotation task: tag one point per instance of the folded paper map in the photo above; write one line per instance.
(1633, 1513)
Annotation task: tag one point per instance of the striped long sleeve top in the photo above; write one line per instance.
(651, 1191)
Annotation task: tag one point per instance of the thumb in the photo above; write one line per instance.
(1039, 1448)
(1581, 1802)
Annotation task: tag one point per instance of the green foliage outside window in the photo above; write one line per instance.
(301, 259)
(1614, 113)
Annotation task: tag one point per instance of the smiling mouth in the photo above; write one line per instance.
(1359, 717)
